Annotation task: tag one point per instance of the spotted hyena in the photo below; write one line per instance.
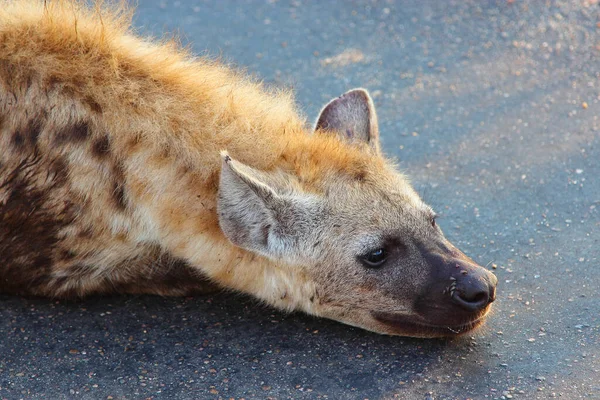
(130, 166)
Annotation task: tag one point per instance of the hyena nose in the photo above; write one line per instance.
(475, 290)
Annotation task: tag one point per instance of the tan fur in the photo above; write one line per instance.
(123, 138)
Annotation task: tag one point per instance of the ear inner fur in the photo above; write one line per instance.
(352, 116)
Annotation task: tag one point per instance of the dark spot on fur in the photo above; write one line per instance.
(93, 104)
(86, 233)
(165, 153)
(119, 196)
(75, 133)
(80, 131)
(101, 147)
(18, 140)
(27, 136)
(52, 80)
(118, 192)
(68, 90)
(360, 176)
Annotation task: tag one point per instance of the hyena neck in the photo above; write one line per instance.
(181, 206)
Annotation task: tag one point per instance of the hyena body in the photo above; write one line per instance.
(113, 179)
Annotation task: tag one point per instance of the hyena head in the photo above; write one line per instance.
(359, 233)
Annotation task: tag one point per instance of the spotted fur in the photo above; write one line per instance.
(111, 178)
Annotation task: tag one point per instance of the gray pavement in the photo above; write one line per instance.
(490, 106)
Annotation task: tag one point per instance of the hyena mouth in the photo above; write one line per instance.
(406, 325)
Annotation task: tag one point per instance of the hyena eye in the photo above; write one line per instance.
(375, 258)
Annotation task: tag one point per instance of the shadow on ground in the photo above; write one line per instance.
(221, 345)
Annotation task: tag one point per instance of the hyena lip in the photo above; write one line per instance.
(401, 324)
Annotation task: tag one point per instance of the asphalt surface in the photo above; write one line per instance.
(490, 106)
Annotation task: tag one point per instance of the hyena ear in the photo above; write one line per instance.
(352, 117)
(258, 212)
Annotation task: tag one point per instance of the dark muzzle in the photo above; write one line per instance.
(473, 288)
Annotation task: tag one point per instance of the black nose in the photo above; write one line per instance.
(474, 290)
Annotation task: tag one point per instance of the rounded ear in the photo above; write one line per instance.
(352, 117)
(244, 205)
(257, 213)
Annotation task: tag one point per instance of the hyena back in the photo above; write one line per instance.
(113, 178)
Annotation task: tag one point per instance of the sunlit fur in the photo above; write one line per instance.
(135, 208)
